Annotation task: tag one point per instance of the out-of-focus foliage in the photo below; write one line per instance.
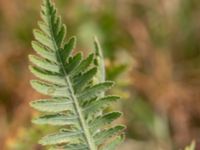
(191, 146)
(151, 49)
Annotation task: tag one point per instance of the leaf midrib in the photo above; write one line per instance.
(88, 136)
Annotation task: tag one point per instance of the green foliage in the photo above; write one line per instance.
(76, 87)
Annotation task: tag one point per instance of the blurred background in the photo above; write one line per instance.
(152, 51)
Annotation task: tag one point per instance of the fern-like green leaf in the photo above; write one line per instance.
(103, 120)
(57, 119)
(76, 88)
(99, 61)
(53, 105)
